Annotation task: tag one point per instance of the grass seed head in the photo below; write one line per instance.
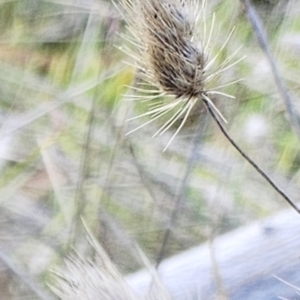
(171, 57)
(174, 62)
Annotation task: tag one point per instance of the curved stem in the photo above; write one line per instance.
(248, 159)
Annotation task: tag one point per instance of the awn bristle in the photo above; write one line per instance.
(84, 278)
(171, 57)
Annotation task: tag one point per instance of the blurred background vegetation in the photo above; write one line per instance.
(64, 153)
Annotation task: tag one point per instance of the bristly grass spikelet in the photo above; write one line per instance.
(171, 51)
(172, 54)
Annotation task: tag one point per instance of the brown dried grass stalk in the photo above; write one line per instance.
(172, 55)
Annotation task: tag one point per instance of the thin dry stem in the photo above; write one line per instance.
(283, 90)
(248, 159)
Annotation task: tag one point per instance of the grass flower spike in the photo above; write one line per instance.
(171, 42)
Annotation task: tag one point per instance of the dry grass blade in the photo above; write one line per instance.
(64, 97)
(282, 88)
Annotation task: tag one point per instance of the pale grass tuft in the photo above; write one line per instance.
(171, 41)
(98, 278)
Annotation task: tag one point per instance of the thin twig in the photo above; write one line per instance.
(263, 42)
(79, 193)
(83, 173)
(181, 190)
(141, 171)
(248, 159)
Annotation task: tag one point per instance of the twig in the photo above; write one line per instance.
(248, 159)
(181, 190)
(83, 173)
(263, 42)
(141, 171)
